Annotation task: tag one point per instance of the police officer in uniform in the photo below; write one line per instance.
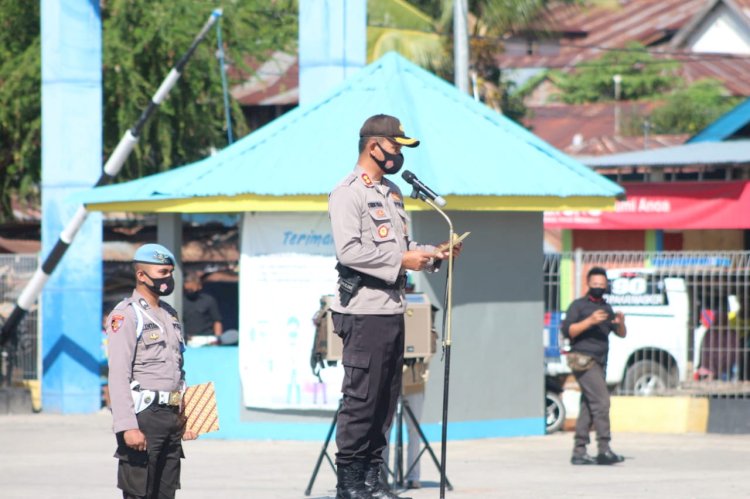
(146, 380)
(370, 232)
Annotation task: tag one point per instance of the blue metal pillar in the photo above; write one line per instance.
(332, 44)
(71, 161)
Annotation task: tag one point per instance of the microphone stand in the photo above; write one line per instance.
(418, 194)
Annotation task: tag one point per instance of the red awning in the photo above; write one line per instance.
(666, 205)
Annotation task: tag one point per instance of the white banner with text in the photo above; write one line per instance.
(287, 263)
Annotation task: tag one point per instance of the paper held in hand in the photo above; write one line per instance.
(200, 408)
(456, 240)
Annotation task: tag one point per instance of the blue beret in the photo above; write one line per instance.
(155, 254)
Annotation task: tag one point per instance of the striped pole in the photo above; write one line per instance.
(111, 168)
(224, 89)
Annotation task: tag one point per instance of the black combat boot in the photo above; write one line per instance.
(376, 486)
(351, 479)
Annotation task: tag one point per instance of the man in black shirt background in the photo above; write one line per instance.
(587, 324)
(200, 312)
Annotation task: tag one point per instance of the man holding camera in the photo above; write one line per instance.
(587, 324)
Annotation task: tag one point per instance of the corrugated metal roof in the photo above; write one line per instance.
(710, 10)
(275, 81)
(589, 129)
(611, 144)
(467, 149)
(644, 21)
(732, 71)
(701, 153)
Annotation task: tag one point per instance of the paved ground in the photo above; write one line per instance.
(51, 456)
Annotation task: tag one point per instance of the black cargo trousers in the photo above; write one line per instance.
(373, 360)
(154, 473)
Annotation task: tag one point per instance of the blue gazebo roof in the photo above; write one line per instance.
(468, 151)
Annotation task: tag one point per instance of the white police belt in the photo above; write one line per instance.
(144, 398)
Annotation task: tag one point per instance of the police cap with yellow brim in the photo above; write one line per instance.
(154, 254)
(382, 125)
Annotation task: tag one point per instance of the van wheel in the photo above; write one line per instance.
(555, 411)
(646, 377)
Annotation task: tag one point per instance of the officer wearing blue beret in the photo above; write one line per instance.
(147, 380)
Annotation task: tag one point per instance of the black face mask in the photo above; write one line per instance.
(161, 287)
(597, 293)
(397, 161)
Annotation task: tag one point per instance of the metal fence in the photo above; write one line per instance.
(687, 315)
(20, 360)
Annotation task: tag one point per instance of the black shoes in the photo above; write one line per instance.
(582, 460)
(609, 457)
(376, 485)
(351, 481)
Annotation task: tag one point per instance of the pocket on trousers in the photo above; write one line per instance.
(356, 374)
(132, 471)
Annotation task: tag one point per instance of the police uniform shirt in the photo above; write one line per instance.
(594, 341)
(370, 233)
(156, 362)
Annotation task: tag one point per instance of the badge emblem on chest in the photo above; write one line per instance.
(153, 336)
(383, 231)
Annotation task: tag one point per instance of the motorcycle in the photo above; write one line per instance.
(555, 409)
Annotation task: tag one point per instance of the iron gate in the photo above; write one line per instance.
(20, 359)
(687, 313)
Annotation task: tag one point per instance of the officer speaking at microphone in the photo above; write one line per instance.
(371, 236)
(146, 380)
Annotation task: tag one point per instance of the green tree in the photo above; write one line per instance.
(643, 76)
(142, 40)
(692, 109)
(20, 102)
(397, 25)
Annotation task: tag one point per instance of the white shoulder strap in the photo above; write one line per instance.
(138, 321)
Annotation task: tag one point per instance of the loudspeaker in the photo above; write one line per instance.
(419, 341)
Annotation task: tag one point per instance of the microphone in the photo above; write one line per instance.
(412, 180)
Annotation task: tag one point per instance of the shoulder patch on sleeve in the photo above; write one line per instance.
(116, 321)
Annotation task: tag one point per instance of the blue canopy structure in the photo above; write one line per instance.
(474, 156)
(726, 125)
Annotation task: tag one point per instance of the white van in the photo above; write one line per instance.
(654, 356)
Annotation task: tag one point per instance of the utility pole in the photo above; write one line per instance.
(618, 92)
(461, 44)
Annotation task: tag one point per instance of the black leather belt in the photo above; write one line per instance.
(369, 281)
(374, 282)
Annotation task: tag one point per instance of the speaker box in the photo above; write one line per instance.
(418, 341)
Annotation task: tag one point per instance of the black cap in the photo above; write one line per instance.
(382, 125)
